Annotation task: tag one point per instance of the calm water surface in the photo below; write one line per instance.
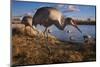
(72, 32)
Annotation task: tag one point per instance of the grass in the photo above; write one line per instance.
(30, 50)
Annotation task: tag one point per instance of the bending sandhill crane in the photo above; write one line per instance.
(48, 16)
(69, 20)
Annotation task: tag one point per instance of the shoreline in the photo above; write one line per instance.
(86, 23)
(77, 22)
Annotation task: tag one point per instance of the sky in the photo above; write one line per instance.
(20, 8)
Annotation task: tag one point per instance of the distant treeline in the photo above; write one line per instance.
(79, 22)
(86, 22)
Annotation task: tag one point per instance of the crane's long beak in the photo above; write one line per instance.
(75, 25)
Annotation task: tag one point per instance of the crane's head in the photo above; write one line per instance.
(27, 20)
(72, 22)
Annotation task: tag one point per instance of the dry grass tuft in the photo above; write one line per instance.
(27, 50)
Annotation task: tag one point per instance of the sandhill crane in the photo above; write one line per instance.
(48, 16)
(27, 21)
(69, 20)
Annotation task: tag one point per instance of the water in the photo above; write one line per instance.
(71, 33)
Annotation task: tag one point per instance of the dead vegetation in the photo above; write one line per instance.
(27, 49)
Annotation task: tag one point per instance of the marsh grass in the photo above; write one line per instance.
(26, 50)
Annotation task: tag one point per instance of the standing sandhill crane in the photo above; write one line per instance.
(27, 21)
(48, 16)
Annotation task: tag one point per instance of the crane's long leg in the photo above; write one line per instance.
(27, 39)
(30, 34)
(37, 38)
(25, 34)
(37, 34)
(46, 40)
